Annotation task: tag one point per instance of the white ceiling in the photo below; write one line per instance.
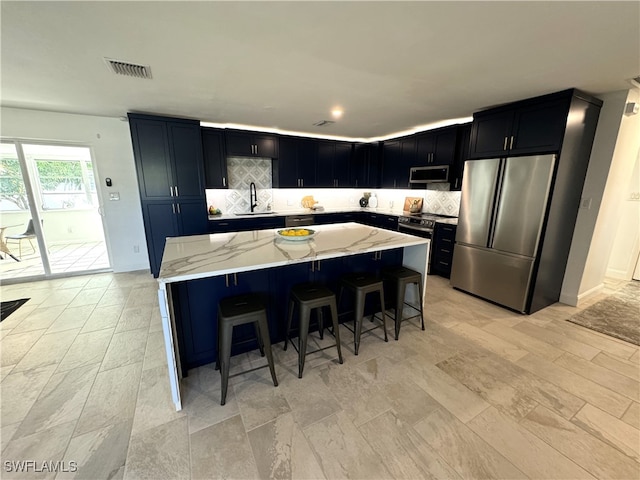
(392, 66)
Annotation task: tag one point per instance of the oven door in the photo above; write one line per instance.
(418, 232)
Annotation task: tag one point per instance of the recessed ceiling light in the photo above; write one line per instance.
(337, 112)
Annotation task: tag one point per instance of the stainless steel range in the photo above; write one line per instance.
(420, 225)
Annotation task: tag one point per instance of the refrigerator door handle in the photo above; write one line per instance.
(496, 202)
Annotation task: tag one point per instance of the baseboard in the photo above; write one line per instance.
(574, 300)
(618, 274)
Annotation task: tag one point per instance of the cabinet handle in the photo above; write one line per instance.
(446, 240)
(313, 266)
(511, 143)
(446, 251)
(302, 182)
(173, 208)
(178, 207)
(224, 181)
(171, 190)
(318, 265)
(235, 279)
(177, 194)
(504, 147)
(226, 280)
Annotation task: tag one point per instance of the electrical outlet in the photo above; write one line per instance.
(136, 249)
(114, 196)
(586, 203)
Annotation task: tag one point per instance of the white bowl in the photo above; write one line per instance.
(296, 238)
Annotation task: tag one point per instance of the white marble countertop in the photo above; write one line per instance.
(201, 256)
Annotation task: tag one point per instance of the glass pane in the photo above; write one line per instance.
(19, 251)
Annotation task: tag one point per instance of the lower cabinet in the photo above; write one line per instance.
(196, 301)
(245, 224)
(444, 237)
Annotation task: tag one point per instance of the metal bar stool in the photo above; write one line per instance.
(238, 310)
(362, 284)
(400, 277)
(310, 296)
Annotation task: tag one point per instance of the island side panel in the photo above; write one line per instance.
(417, 258)
(170, 343)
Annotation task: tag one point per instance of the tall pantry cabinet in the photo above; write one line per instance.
(170, 168)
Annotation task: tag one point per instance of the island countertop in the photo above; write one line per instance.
(201, 256)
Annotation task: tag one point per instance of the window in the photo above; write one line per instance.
(66, 184)
(13, 193)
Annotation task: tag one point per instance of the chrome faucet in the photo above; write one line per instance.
(253, 196)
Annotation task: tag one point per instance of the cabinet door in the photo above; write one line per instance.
(287, 174)
(489, 134)
(324, 166)
(153, 161)
(215, 162)
(426, 146)
(445, 147)
(391, 156)
(160, 222)
(192, 216)
(307, 161)
(186, 153)
(341, 163)
(239, 144)
(461, 155)
(408, 160)
(539, 128)
(265, 146)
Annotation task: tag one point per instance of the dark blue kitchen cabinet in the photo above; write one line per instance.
(365, 166)
(333, 162)
(251, 144)
(398, 156)
(296, 163)
(444, 237)
(436, 147)
(197, 309)
(215, 160)
(170, 167)
(245, 224)
(531, 126)
(462, 153)
(380, 220)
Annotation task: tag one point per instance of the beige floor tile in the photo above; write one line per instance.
(102, 317)
(282, 451)
(48, 350)
(522, 448)
(595, 339)
(558, 340)
(38, 318)
(134, 318)
(20, 391)
(632, 415)
(61, 297)
(70, 318)
(154, 405)
(61, 400)
(609, 429)
(584, 388)
(468, 454)
(159, 453)
(222, 451)
(6, 434)
(259, 401)
(623, 367)
(523, 341)
(343, 451)
(86, 349)
(89, 296)
(112, 398)
(114, 296)
(47, 445)
(412, 456)
(603, 376)
(125, 348)
(447, 391)
(16, 345)
(155, 354)
(490, 342)
(490, 387)
(309, 398)
(100, 453)
(595, 456)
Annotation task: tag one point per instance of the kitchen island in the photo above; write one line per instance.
(189, 260)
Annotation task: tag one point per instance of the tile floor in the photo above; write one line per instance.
(482, 393)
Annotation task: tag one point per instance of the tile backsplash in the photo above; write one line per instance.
(241, 171)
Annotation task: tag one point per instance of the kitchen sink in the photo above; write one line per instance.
(254, 213)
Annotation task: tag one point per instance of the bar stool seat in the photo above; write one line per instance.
(308, 297)
(361, 284)
(399, 277)
(239, 310)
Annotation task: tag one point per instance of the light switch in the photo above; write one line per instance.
(114, 196)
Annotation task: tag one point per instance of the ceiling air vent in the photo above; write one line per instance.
(128, 69)
(323, 123)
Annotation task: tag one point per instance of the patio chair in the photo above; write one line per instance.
(29, 234)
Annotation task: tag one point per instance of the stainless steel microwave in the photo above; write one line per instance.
(423, 175)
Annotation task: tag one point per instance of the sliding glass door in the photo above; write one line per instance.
(58, 207)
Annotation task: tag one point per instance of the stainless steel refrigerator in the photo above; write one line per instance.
(502, 216)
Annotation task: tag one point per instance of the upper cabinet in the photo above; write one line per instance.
(168, 157)
(462, 153)
(296, 163)
(398, 156)
(333, 162)
(532, 126)
(437, 147)
(215, 161)
(365, 165)
(251, 144)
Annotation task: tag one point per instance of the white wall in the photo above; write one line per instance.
(110, 142)
(614, 152)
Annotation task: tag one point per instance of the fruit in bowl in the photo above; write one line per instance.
(296, 233)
